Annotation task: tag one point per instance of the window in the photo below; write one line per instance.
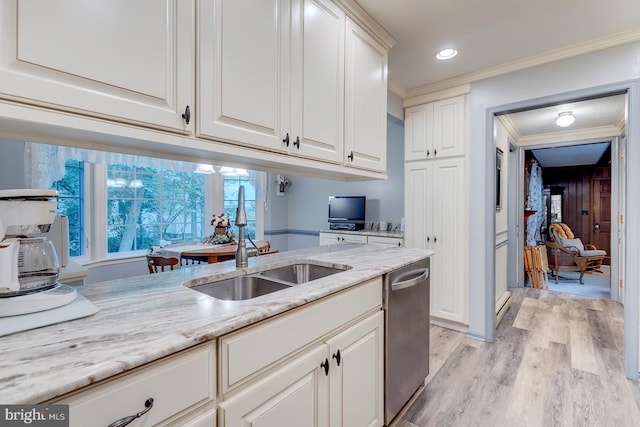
(231, 186)
(146, 205)
(71, 203)
(119, 204)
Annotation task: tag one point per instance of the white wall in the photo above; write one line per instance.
(522, 88)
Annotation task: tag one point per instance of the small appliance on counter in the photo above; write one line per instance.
(29, 265)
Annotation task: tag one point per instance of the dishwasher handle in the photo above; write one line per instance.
(422, 273)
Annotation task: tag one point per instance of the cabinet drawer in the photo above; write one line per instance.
(175, 384)
(246, 352)
(391, 241)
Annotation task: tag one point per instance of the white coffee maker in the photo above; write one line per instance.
(28, 263)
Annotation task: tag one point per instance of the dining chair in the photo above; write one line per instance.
(157, 263)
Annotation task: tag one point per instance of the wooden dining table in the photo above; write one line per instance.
(212, 253)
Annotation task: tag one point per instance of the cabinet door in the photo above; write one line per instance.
(317, 80)
(294, 395)
(365, 101)
(448, 296)
(418, 132)
(329, 239)
(449, 127)
(243, 79)
(353, 238)
(418, 184)
(357, 374)
(120, 60)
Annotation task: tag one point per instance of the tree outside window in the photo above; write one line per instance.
(71, 203)
(231, 185)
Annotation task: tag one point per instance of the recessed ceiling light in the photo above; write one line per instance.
(565, 119)
(446, 54)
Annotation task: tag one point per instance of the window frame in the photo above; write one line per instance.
(95, 213)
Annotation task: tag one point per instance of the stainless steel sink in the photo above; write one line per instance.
(301, 273)
(240, 288)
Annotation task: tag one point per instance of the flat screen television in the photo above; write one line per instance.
(347, 212)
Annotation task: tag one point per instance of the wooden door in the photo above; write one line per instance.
(601, 217)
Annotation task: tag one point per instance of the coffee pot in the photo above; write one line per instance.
(29, 265)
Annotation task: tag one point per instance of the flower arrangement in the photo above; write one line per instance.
(222, 234)
(221, 221)
(219, 239)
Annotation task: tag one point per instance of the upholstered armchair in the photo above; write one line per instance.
(565, 246)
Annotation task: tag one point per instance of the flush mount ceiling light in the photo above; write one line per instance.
(565, 119)
(446, 54)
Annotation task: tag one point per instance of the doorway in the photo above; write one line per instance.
(577, 192)
(618, 202)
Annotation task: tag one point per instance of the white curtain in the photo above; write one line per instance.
(45, 163)
(534, 203)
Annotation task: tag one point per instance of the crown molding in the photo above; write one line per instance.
(532, 61)
(450, 92)
(362, 17)
(570, 136)
(397, 91)
(510, 127)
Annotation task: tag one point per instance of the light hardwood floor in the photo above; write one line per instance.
(557, 361)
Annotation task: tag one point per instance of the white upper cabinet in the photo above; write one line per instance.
(317, 80)
(243, 71)
(120, 60)
(365, 100)
(436, 129)
(272, 75)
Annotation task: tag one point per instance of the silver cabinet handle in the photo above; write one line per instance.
(423, 273)
(148, 404)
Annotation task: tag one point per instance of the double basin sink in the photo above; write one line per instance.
(267, 281)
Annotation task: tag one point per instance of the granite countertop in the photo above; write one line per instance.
(144, 318)
(395, 234)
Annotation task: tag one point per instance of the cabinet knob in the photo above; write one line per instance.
(428, 153)
(399, 244)
(428, 239)
(337, 356)
(435, 152)
(148, 404)
(187, 115)
(342, 239)
(296, 143)
(325, 365)
(286, 140)
(435, 239)
(350, 156)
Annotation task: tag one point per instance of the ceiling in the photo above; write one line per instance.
(494, 34)
(498, 36)
(576, 155)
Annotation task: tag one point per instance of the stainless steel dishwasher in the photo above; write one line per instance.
(406, 304)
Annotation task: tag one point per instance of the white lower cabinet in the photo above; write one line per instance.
(337, 383)
(332, 238)
(335, 380)
(182, 388)
(357, 380)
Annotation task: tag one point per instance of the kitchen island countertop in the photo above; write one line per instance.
(147, 317)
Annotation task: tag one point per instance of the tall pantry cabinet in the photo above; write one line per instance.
(435, 194)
